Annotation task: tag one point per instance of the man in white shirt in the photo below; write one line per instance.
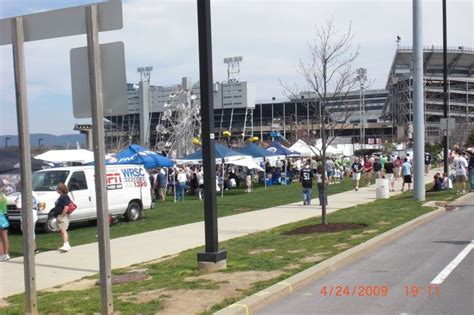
(460, 164)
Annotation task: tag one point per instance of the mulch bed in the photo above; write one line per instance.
(329, 228)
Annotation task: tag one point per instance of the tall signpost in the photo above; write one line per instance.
(18, 39)
(97, 109)
(418, 108)
(212, 258)
(88, 19)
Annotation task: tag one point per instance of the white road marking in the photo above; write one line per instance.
(453, 264)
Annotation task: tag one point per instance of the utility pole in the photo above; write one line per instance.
(418, 106)
(445, 85)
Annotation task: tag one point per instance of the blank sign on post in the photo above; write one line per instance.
(114, 81)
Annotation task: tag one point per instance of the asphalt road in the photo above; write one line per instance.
(397, 278)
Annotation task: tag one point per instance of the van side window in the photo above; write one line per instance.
(77, 181)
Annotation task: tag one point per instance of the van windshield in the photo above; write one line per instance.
(48, 181)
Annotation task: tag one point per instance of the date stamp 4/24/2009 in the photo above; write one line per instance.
(383, 290)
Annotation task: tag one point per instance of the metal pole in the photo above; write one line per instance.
(31, 306)
(99, 158)
(445, 85)
(212, 254)
(418, 106)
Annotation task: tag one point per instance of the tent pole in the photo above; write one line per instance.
(174, 185)
(222, 171)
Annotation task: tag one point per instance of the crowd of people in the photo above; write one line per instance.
(391, 167)
(182, 180)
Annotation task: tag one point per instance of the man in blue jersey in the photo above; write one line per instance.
(306, 179)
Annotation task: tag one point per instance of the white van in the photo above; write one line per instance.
(128, 192)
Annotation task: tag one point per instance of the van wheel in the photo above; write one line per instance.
(134, 211)
(50, 225)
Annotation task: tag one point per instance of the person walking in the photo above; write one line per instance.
(470, 168)
(368, 169)
(181, 185)
(398, 167)
(306, 179)
(356, 169)
(162, 184)
(4, 224)
(322, 192)
(330, 169)
(60, 212)
(461, 166)
(406, 172)
(200, 177)
(377, 168)
(248, 180)
(427, 162)
(389, 167)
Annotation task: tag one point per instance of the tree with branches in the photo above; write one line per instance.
(329, 78)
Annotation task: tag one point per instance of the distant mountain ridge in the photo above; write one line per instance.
(47, 140)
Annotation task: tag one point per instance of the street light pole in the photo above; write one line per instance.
(445, 85)
(213, 258)
(418, 106)
(362, 78)
(6, 141)
(39, 142)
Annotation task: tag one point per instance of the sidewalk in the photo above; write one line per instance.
(54, 268)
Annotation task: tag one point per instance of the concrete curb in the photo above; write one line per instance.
(257, 301)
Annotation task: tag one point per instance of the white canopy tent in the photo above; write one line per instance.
(67, 156)
(303, 148)
(249, 163)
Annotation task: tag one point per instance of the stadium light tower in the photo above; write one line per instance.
(144, 96)
(362, 78)
(233, 68)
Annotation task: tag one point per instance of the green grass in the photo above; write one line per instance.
(380, 215)
(169, 214)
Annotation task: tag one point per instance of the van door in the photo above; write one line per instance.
(80, 193)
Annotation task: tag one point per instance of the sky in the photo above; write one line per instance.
(271, 35)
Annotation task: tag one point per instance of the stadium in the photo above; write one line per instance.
(375, 116)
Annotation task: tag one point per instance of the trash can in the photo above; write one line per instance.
(383, 190)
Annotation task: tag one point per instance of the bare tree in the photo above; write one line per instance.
(329, 79)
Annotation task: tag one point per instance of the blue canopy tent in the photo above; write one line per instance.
(136, 154)
(279, 149)
(222, 153)
(258, 153)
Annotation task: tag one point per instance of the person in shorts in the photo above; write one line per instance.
(330, 169)
(406, 173)
(356, 169)
(377, 168)
(5, 243)
(460, 165)
(389, 173)
(60, 212)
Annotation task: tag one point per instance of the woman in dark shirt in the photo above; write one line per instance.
(389, 168)
(62, 216)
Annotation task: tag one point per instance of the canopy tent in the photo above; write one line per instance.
(10, 163)
(81, 156)
(279, 149)
(257, 152)
(223, 154)
(136, 154)
(251, 164)
(304, 149)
